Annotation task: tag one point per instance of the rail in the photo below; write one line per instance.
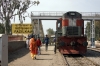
(60, 13)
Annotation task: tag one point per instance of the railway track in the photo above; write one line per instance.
(78, 60)
(94, 49)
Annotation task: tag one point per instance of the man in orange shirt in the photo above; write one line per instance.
(33, 47)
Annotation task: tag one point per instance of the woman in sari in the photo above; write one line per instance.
(33, 47)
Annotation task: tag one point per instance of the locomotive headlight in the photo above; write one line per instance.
(81, 34)
(85, 43)
(72, 43)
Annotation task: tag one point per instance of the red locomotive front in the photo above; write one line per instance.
(70, 34)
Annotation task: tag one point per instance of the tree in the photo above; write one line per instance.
(88, 30)
(50, 32)
(97, 30)
(1, 28)
(10, 8)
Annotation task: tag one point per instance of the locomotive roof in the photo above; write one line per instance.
(72, 14)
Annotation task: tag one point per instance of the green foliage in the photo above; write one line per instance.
(87, 31)
(2, 28)
(97, 30)
(50, 32)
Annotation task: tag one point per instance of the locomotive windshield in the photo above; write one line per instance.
(72, 14)
(58, 25)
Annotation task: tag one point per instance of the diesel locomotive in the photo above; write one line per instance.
(70, 37)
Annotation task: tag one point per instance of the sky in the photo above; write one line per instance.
(62, 5)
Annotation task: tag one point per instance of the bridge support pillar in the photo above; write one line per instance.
(34, 25)
(92, 33)
(38, 28)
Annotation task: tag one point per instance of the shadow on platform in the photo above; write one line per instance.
(46, 54)
(17, 54)
(44, 59)
(92, 53)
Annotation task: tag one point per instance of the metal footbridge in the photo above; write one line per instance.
(37, 16)
(53, 15)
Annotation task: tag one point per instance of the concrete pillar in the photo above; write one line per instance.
(4, 50)
(34, 24)
(41, 30)
(92, 33)
(37, 28)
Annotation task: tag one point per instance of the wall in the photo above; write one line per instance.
(15, 45)
(15, 37)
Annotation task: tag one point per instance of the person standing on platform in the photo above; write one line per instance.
(39, 45)
(27, 41)
(54, 40)
(33, 47)
(43, 41)
(46, 42)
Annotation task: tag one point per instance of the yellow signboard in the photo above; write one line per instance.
(22, 28)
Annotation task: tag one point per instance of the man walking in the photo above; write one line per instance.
(39, 45)
(46, 42)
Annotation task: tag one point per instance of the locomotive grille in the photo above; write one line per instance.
(71, 30)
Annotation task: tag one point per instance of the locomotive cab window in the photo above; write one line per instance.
(72, 14)
(58, 25)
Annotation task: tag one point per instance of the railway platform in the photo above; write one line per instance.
(47, 58)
